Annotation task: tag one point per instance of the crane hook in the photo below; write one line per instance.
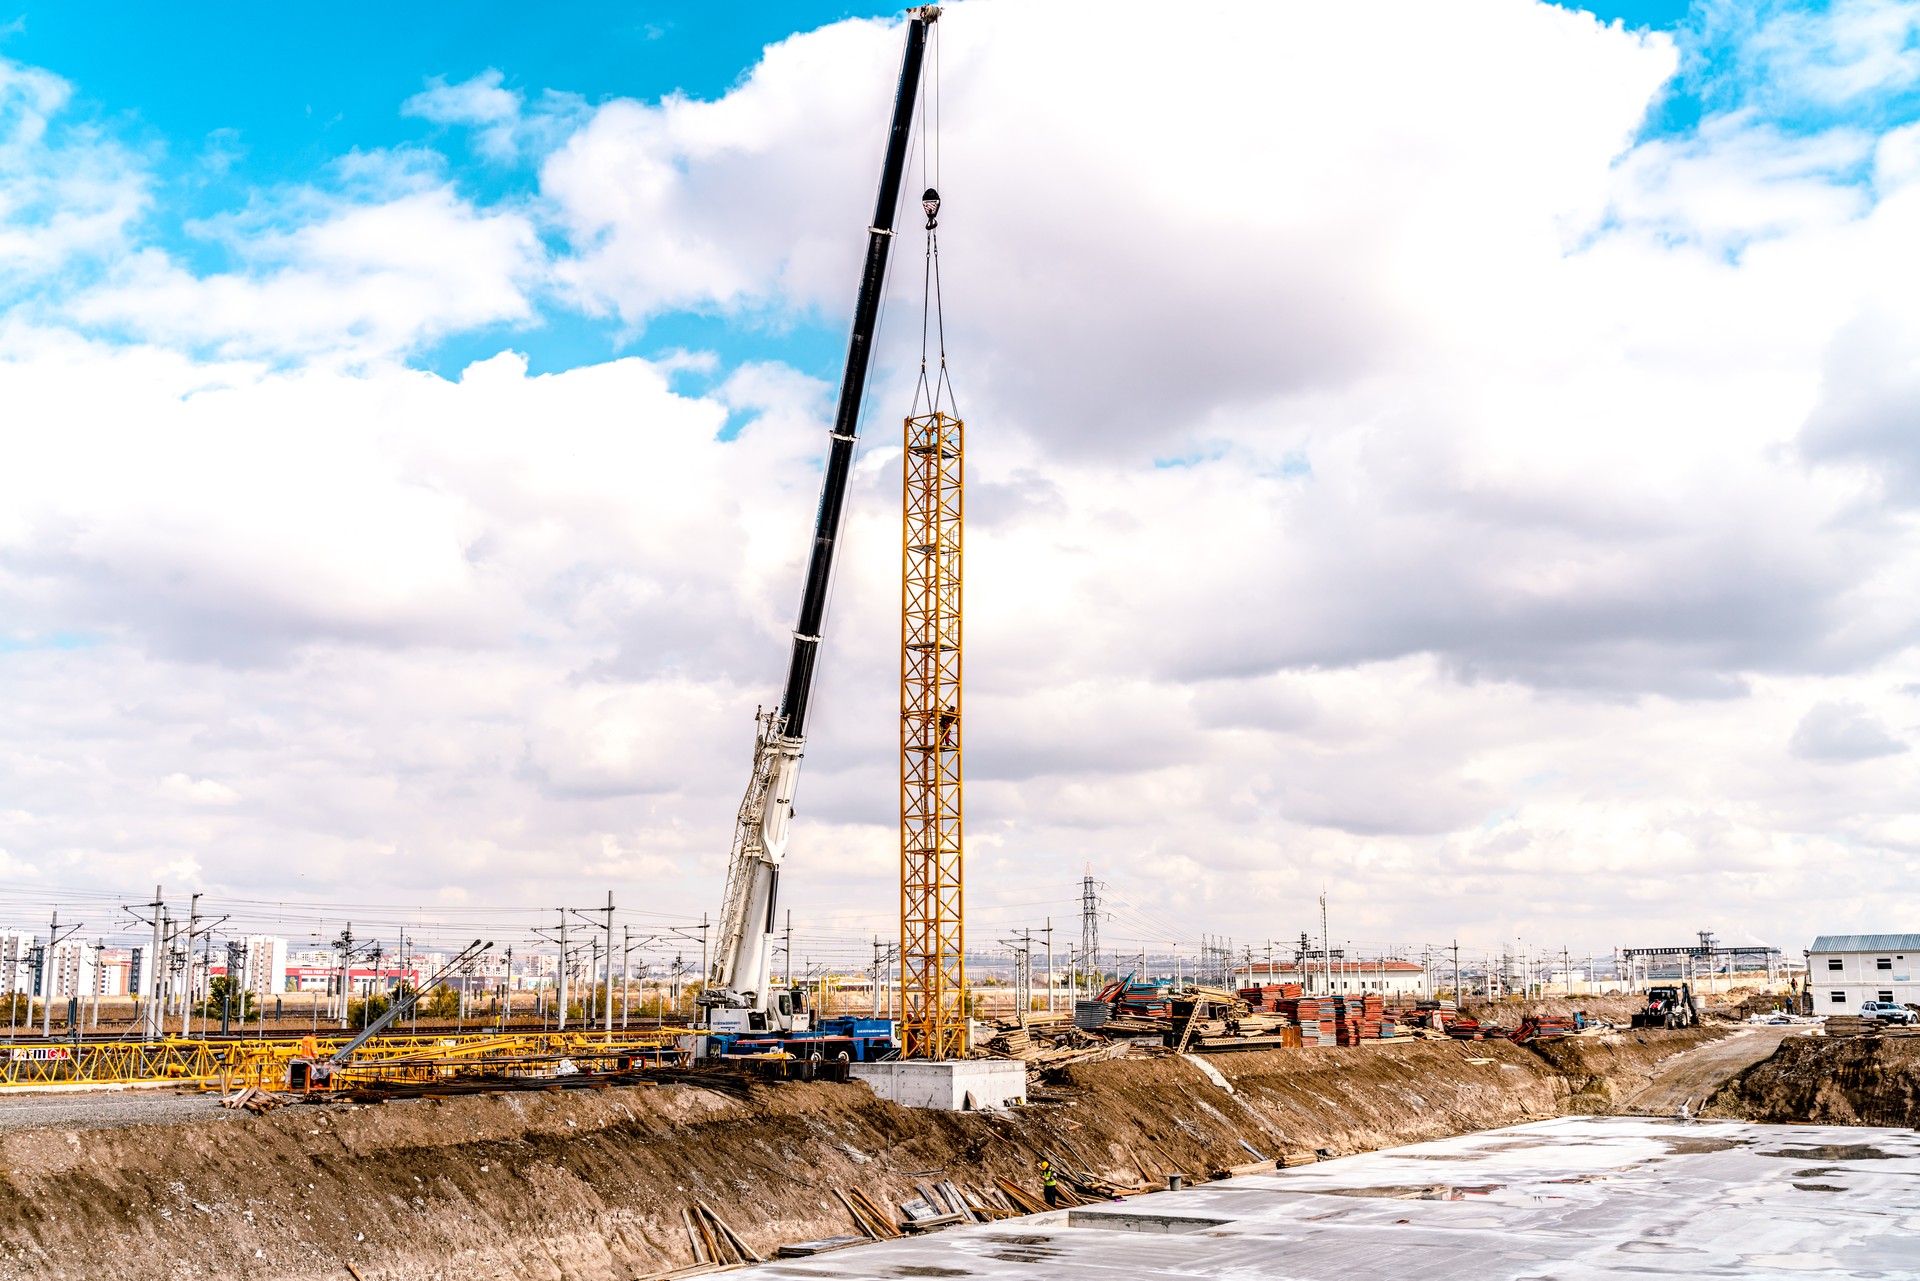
(930, 201)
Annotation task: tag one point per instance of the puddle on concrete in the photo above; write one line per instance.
(1701, 1146)
(1422, 1192)
(1836, 1152)
(1025, 1249)
(1117, 1221)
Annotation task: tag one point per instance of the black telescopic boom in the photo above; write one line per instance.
(853, 385)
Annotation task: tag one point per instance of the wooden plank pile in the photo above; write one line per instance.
(258, 1100)
(874, 1223)
(1544, 1027)
(1845, 1025)
(937, 1205)
(713, 1240)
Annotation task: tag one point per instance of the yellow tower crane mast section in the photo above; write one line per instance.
(933, 967)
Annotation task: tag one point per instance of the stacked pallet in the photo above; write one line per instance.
(1306, 1012)
(1089, 1015)
(1268, 996)
(1544, 1027)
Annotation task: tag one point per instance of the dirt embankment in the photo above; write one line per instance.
(1611, 1008)
(590, 1185)
(1863, 1080)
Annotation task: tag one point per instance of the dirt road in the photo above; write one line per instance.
(1689, 1077)
(105, 1109)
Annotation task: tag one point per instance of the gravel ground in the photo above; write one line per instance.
(106, 1109)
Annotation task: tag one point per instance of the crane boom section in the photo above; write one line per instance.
(853, 385)
(739, 987)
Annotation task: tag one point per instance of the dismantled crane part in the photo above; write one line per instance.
(933, 973)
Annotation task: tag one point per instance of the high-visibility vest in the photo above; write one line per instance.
(1046, 1177)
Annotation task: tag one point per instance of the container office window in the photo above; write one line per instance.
(1839, 998)
(1886, 998)
(1835, 963)
(1884, 963)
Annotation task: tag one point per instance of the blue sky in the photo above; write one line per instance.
(244, 99)
(279, 92)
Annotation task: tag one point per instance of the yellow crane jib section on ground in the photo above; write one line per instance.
(231, 1064)
(932, 943)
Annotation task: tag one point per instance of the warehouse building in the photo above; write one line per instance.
(1387, 977)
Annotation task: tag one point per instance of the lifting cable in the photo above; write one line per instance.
(933, 388)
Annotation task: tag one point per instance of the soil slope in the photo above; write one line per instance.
(1864, 1080)
(590, 1185)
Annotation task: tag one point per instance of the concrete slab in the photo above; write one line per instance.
(1571, 1198)
(946, 1087)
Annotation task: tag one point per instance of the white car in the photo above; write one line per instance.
(1885, 1011)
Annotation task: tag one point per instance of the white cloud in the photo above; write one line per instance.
(1374, 481)
(1832, 54)
(479, 101)
(1842, 732)
(67, 193)
(198, 791)
(360, 279)
(504, 130)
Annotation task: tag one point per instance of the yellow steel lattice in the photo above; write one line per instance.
(933, 972)
(229, 1064)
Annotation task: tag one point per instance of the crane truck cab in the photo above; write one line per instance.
(784, 1015)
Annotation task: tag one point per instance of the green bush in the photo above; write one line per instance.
(441, 1003)
(244, 1006)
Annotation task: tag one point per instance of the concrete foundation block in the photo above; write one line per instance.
(945, 1087)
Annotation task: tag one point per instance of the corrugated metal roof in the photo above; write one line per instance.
(1867, 943)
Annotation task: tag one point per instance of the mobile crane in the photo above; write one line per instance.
(745, 1011)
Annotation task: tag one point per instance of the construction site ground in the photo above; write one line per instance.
(593, 1184)
(1573, 1197)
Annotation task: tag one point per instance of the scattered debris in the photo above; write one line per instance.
(257, 1100)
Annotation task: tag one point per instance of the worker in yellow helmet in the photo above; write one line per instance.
(1049, 1188)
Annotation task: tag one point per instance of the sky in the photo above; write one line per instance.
(1456, 454)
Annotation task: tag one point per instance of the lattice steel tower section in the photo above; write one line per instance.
(933, 968)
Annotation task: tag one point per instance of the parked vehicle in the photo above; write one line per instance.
(1669, 1007)
(1886, 1012)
